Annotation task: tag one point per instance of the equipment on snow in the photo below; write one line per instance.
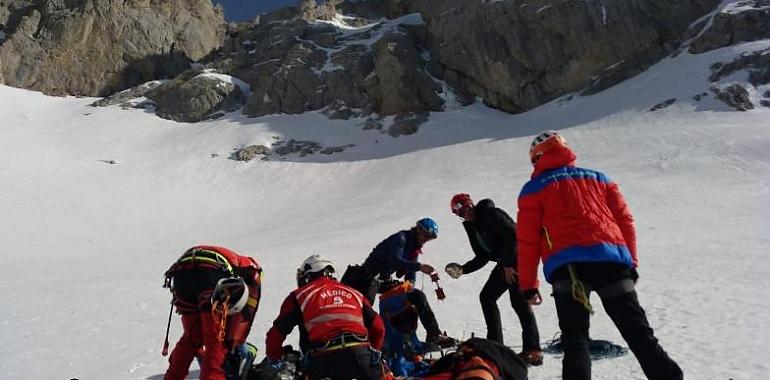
(599, 349)
(238, 366)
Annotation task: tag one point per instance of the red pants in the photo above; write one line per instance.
(199, 331)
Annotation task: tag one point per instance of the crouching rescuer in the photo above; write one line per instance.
(340, 333)
(217, 292)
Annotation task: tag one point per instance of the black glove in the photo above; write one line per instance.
(634, 275)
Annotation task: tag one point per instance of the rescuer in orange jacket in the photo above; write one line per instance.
(576, 221)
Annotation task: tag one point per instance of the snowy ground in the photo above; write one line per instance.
(85, 242)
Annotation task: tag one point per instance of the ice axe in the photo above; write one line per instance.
(164, 352)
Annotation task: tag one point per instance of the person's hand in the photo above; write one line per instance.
(454, 270)
(427, 269)
(532, 296)
(509, 274)
(634, 275)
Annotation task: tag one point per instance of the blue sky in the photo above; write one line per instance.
(242, 10)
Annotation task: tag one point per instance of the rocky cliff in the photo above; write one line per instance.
(97, 47)
(359, 57)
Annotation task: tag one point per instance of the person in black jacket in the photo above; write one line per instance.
(492, 235)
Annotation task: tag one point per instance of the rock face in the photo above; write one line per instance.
(97, 47)
(519, 54)
(195, 96)
(740, 22)
(513, 55)
(735, 96)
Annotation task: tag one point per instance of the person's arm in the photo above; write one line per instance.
(474, 264)
(530, 233)
(374, 325)
(289, 316)
(623, 217)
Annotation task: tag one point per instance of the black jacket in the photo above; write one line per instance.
(492, 236)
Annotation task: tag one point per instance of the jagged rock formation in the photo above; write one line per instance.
(517, 55)
(514, 55)
(97, 47)
(195, 96)
(740, 22)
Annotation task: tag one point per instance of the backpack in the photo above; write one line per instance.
(479, 359)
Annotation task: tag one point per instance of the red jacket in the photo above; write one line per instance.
(324, 309)
(569, 214)
(226, 260)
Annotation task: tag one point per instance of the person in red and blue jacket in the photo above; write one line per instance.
(577, 222)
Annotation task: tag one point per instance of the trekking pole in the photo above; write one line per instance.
(164, 352)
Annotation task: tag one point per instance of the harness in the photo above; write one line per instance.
(580, 290)
(198, 258)
(341, 342)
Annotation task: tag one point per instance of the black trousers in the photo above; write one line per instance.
(490, 293)
(417, 298)
(350, 363)
(623, 308)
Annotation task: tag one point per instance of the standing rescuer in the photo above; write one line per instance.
(576, 221)
(492, 235)
(217, 293)
(340, 333)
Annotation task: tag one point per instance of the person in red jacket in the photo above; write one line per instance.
(576, 221)
(212, 330)
(339, 331)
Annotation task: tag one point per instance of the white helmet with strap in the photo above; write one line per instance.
(231, 292)
(314, 265)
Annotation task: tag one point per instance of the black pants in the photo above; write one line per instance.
(417, 298)
(624, 310)
(490, 293)
(350, 363)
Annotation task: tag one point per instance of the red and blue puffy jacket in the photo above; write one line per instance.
(569, 214)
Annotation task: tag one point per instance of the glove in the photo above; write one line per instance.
(532, 296)
(454, 270)
(634, 275)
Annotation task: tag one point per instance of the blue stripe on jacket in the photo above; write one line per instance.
(602, 252)
(563, 173)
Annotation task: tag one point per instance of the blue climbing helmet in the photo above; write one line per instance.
(429, 226)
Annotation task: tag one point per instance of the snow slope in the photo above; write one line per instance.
(86, 242)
